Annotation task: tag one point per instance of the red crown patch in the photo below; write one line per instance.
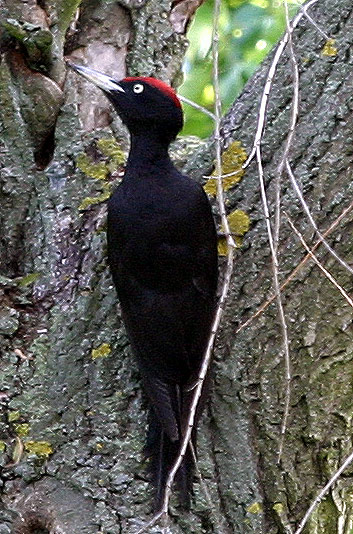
(164, 87)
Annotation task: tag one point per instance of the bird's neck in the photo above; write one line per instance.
(147, 151)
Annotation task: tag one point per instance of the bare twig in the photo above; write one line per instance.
(217, 137)
(291, 131)
(218, 519)
(201, 480)
(297, 269)
(312, 21)
(197, 106)
(228, 175)
(152, 522)
(323, 492)
(312, 221)
(273, 237)
(268, 85)
(289, 140)
(163, 513)
(229, 269)
(319, 264)
(278, 297)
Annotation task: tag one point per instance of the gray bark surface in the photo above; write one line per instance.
(73, 417)
(248, 402)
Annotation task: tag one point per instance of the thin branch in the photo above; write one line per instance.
(323, 492)
(289, 140)
(270, 76)
(311, 219)
(229, 268)
(319, 264)
(197, 106)
(163, 513)
(278, 299)
(273, 239)
(198, 389)
(268, 85)
(293, 122)
(217, 135)
(233, 173)
(152, 522)
(312, 21)
(201, 480)
(297, 269)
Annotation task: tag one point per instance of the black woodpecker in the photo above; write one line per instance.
(162, 252)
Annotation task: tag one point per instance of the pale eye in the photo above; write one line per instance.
(138, 88)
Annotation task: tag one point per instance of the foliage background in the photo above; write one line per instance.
(248, 31)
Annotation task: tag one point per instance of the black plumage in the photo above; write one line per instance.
(162, 251)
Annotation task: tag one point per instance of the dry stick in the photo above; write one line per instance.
(197, 106)
(295, 271)
(277, 296)
(271, 73)
(312, 21)
(152, 522)
(291, 131)
(225, 288)
(233, 173)
(349, 459)
(319, 264)
(289, 140)
(218, 522)
(201, 479)
(311, 219)
(197, 393)
(217, 137)
(323, 492)
(229, 268)
(268, 84)
(256, 150)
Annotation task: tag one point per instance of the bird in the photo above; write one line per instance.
(162, 253)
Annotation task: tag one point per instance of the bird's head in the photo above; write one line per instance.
(144, 104)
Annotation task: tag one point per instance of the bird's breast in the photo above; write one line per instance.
(150, 240)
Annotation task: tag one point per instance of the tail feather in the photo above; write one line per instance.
(162, 453)
(167, 423)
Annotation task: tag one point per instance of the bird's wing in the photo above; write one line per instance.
(189, 253)
(154, 321)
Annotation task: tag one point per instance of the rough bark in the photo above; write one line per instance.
(250, 373)
(70, 389)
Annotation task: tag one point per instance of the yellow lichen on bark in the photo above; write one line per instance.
(232, 163)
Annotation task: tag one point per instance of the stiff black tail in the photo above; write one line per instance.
(163, 453)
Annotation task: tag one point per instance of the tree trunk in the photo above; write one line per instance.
(73, 415)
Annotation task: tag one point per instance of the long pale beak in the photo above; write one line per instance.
(97, 78)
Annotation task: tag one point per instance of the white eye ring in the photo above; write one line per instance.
(138, 88)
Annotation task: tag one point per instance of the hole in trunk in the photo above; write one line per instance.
(33, 523)
(44, 154)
